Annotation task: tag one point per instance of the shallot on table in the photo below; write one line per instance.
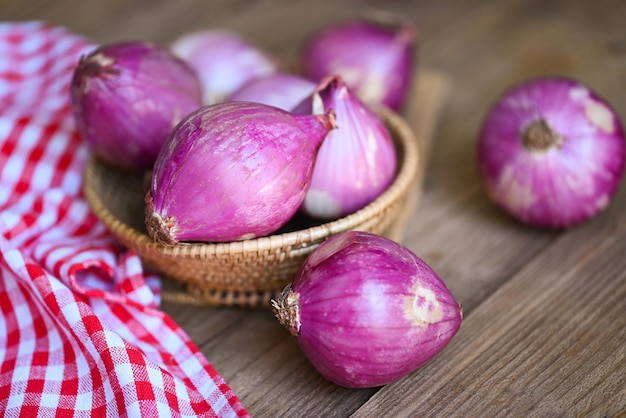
(551, 152)
(367, 311)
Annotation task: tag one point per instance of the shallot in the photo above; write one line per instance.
(128, 96)
(283, 90)
(224, 61)
(356, 163)
(367, 311)
(375, 57)
(232, 171)
(551, 152)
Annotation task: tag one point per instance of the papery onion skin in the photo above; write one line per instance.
(356, 163)
(224, 61)
(232, 171)
(551, 152)
(367, 311)
(128, 96)
(282, 90)
(375, 58)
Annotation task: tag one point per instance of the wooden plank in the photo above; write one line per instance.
(267, 370)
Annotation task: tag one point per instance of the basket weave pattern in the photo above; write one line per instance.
(251, 272)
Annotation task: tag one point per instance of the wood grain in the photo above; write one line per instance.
(544, 333)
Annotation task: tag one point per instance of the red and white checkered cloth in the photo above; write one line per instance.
(81, 333)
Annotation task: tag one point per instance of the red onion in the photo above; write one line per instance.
(356, 162)
(367, 311)
(551, 152)
(224, 61)
(232, 171)
(374, 57)
(128, 96)
(282, 90)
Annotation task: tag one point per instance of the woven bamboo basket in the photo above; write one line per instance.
(250, 273)
(246, 273)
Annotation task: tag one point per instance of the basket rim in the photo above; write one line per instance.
(293, 239)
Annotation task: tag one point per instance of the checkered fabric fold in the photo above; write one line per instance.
(81, 333)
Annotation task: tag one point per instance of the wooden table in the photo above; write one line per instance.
(544, 332)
